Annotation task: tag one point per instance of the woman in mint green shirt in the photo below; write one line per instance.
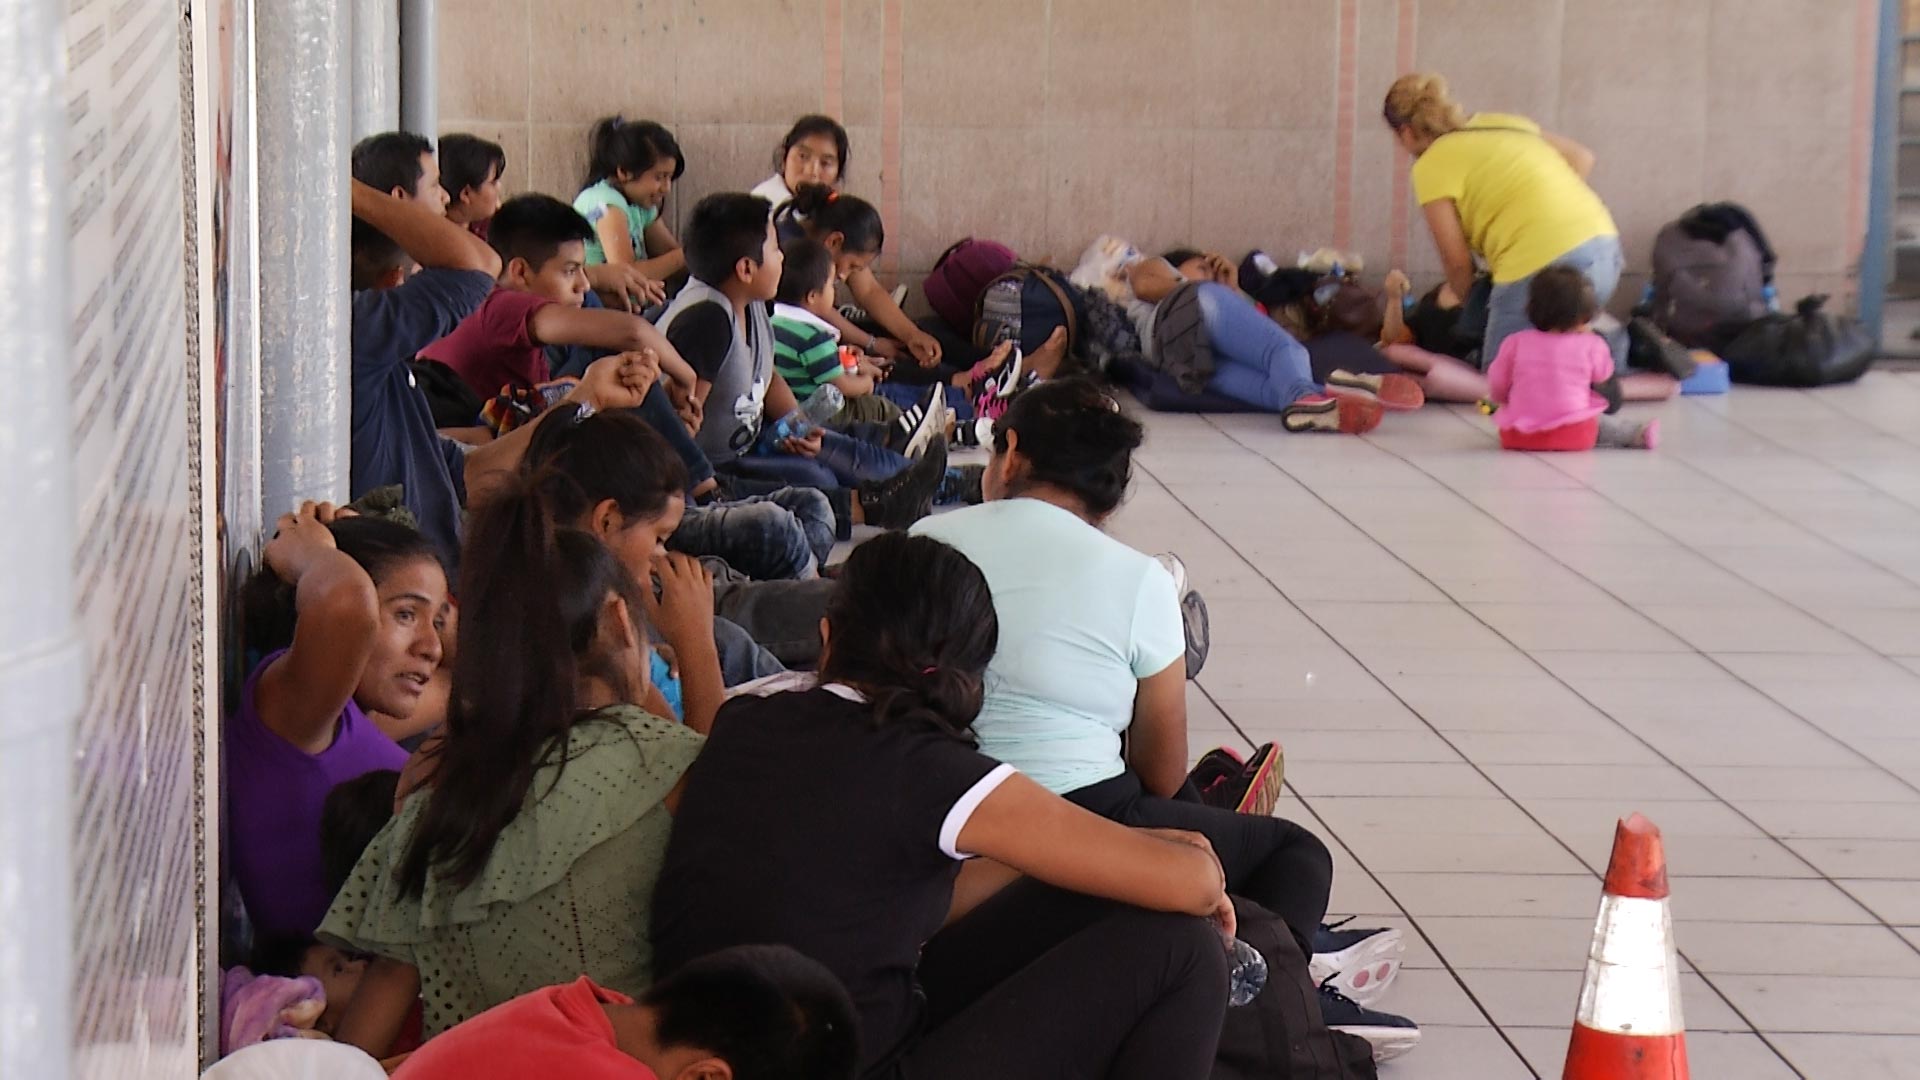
(632, 165)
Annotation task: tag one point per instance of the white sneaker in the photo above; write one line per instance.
(899, 295)
(1360, 964)
(934, 415)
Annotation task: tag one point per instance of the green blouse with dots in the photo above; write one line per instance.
(567, 891)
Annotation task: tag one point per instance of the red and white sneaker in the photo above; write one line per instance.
(1349, 414)
(1397, 393)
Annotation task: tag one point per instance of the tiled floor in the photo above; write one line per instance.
(1477, 660)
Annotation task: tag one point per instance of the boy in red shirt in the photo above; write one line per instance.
(538, 302)
(758, 1012)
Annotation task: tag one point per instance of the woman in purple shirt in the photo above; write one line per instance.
(363, 602)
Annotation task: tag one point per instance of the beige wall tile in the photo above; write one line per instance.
(1274, 61)
(1269, 189)
(1136, 183)
(959, 182)
(862, 41)
(1376, 158)
(751, 63)
(1666, 83)
(1779, 62)
(490, 40)
(863, 176)
(1125, 65)
(557, 158)
(721, 157)
(598, 59)
(1498, 55)
(974, 64)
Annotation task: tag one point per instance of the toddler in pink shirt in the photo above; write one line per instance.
(1555, 384)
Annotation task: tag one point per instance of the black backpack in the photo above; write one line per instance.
(1280, 1035)
(1712, 275)
(1807, 348)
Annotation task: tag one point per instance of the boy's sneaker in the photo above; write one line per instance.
(1360, 963)
(961, 484)
(1348, 414)
(907, 496)
(1400, 393)
(853, 313)
(1390, 1035)
(899, 295)
(1193, 614)
(930, 419)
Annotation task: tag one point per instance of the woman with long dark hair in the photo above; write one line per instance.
(530, 858)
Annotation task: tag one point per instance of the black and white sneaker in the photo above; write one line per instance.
(853, 313)
(1389, 1035)
(1360, 963)
(927, 418)
(907, 496)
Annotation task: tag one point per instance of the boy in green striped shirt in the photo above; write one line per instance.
(806, 348)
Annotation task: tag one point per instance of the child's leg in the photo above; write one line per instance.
(1442, 377)
(854, 462)
(1622, 433)
(865, 409)
(1648, 386)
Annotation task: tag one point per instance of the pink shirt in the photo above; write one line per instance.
(1544, 381)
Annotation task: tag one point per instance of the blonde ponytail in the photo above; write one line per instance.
(1421, 101)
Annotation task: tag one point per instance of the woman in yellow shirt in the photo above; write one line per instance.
(1498, 186)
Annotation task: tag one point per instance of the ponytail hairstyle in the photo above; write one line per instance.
(580, 461)
(633, 145)
(912, 626)
(378, 545)
(1074, 437)
(806, 128)
(1421, 101)
(532, 595)
(822, 210)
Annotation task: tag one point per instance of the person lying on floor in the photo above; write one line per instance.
(1087, 690)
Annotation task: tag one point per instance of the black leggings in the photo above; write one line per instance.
(1043, 983)
(1269, 860)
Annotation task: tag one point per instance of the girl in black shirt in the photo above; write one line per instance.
(837, 821)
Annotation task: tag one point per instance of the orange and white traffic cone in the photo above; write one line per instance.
(1629, 1025)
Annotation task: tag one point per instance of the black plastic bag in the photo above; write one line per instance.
(1808, 348)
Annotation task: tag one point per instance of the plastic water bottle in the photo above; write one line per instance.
(1772, 296)
(817, 410)
(1246, 974)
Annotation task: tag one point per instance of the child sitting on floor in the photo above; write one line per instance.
(758, 1012)
(720, 324)
(1554, 383)
(806, 346)
(815, 151)
(631, 167)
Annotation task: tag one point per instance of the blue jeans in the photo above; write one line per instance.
(842, 462)
(1600, 258)
(1254, 361)
(786, 534)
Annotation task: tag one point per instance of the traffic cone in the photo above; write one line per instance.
(1628, 1026)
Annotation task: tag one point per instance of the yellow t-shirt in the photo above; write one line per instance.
(1520, 202)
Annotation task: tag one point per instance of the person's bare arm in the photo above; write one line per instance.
(615, 242)
(300, 695)
(1153, 280)
(1157, 739)
(1393, 330)
(379, 1007)
(1450, 240)
(780, 400)
(870, 294)
(663, 256)
(1577, 155)
(1029, 829)
(431, 239)
(556, 324)
(625, 285)
(855, 383)
(683, 613)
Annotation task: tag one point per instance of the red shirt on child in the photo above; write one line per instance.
(557, 1031)
(494, 347)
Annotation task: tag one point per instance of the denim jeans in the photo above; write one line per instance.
(1254, 361)
(1600, 258)
(843, 462)
(786, 534)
